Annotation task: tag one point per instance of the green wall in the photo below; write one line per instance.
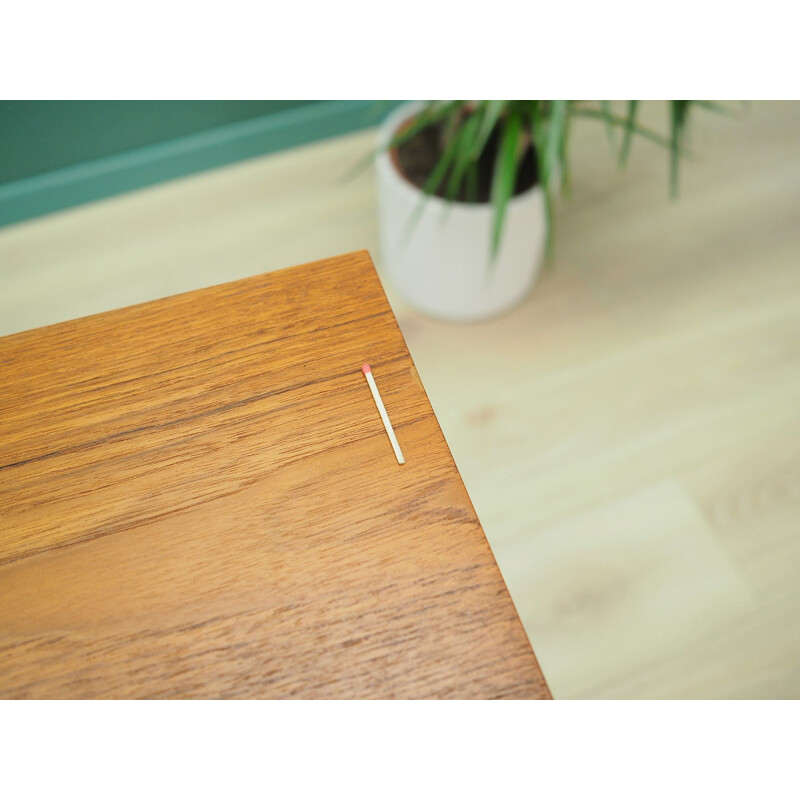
(41, 136)
(58, 154)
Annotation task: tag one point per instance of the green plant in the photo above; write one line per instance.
(513, 126)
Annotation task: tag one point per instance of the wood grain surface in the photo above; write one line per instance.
(628, 435)
(198, 499)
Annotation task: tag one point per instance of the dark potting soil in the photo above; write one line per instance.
(418, 156)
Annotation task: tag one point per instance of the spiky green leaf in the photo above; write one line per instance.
(504, 178)
(630, 126)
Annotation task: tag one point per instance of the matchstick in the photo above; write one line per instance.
(367, 370)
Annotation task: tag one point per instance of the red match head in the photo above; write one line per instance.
(365, 368)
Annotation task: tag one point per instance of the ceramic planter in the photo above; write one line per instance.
(442, 264)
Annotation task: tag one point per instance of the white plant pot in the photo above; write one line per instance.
(442, 265)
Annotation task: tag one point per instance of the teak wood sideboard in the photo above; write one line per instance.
(198, 499)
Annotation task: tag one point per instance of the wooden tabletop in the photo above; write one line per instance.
(198, 499)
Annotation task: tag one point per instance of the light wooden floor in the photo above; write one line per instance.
(630, 436)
